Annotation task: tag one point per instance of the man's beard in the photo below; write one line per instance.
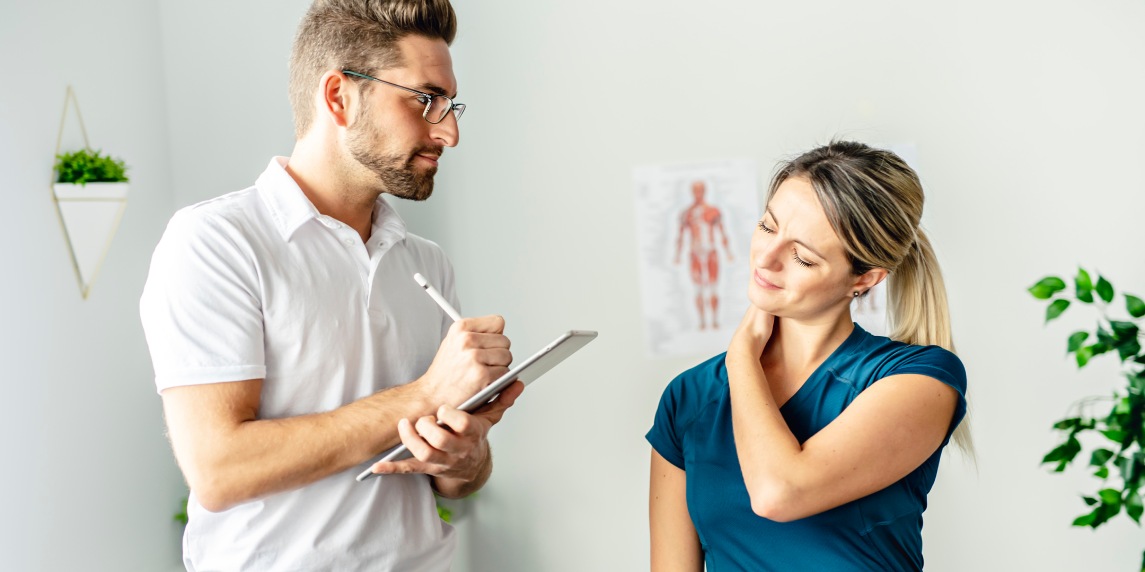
(395, 172)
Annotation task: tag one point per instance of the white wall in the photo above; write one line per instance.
(88, 481)
(1026, 117)
(225, 65)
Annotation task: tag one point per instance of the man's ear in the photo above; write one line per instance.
(336, 98)
(870, 279)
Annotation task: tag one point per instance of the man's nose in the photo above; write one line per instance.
(446, 132)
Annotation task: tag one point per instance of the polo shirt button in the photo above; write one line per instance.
(349, 242)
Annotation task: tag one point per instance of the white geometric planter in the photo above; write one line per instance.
(90, 215)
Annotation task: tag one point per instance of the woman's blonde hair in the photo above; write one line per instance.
(873, 201)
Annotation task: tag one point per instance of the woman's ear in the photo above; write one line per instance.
(869, 279)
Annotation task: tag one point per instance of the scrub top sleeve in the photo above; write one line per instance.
(940, 364)
(665, 436)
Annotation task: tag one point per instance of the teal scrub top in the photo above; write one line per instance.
(880, 532)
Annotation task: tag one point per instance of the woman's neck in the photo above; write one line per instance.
(801, 346)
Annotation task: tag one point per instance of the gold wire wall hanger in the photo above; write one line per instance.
(89, 214)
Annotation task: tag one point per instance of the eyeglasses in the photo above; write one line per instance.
(436, 106)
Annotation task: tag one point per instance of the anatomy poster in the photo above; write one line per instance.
(694, 224)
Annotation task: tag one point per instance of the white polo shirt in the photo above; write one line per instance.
(258, 284)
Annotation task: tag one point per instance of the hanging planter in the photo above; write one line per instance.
(89, 190)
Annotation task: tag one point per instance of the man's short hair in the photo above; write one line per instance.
(359, 35)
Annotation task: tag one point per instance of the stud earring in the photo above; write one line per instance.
(855, 294)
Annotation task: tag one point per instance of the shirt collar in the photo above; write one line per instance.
(290, 209)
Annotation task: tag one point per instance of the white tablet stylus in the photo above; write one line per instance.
(445, 305)
(437, 297)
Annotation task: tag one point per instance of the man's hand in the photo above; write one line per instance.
(474, 352)
(456, 451)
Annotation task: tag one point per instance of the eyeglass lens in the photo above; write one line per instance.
(440, 106)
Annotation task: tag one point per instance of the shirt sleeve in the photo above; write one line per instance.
(665, 435)
(201, 305)
(937, 363)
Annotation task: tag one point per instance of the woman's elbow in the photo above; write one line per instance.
(777, 502)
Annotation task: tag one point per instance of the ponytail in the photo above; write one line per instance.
(918, 313)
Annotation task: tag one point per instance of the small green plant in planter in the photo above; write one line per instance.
(89, 166)
(1119, 419)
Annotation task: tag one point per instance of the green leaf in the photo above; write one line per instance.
(1114, 435)
(444, 513)
(1133, 506)
(1123, 407)
(1122, 330)
(1087, 353)
(1109, 496)
(1129, 349)
(1083, 286)
(1064, 453)
(1056, 308)
(1067, 424)
(1076, 340)
(1087, 519)
(1083, 355)
(1106, 337)
(1104, 289)
(1089, 500)
(1135, 306)
(1047, 287)
(1136, 382)
(1101, 473)
(1132, 468)
(1100, 457)
(1106, 512)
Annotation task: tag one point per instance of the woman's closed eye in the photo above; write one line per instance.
(794, 252)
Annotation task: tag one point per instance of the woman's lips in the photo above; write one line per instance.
(763, 282)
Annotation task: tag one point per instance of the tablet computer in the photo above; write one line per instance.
(527, 371)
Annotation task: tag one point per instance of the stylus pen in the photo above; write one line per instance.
(437, 297)
(445, 305)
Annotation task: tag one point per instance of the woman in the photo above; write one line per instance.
(811, 444)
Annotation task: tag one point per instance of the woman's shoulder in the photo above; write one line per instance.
(883, 357)
(700, 383)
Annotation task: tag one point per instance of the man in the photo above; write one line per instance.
(290, 341)
(699, 222)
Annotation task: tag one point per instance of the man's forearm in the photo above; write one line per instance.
(229, 460)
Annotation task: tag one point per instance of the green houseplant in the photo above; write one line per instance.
(89, 166)
(1115, 422)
